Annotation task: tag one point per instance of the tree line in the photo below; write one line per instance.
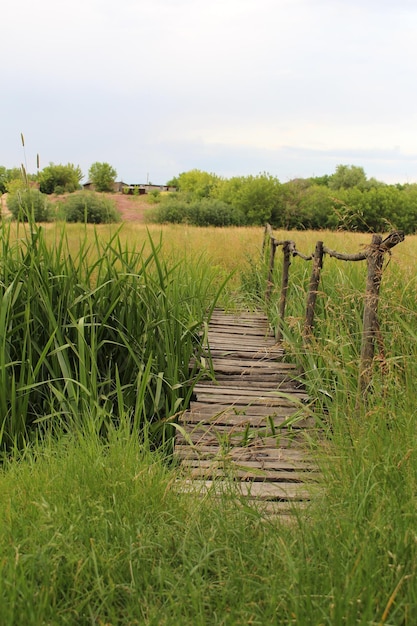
(58, 178)
(347, 199)
(28, 194)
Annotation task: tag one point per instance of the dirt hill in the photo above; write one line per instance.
(132, 208)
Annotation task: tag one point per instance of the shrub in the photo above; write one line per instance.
(90, 207)
(172, 210)
(66, 177)
(205, 212)
(154, 196)
(212, 212)
(28, 203)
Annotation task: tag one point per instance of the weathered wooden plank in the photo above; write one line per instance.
(255, 474)
(251, 490)
(230, 364)
(226, 363)
(225, 437)
(254, 401)
(239, 383)
(240, 315)
(302, 466)
(246, 389)
(242, 330)
(248, 475)
(241, 339)
(235, 419)
(245, 454)
(242, 408)
(245, 352)
(283, 397)
(251, 315)
(274, 383)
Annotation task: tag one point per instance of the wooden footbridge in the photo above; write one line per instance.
(247, 423)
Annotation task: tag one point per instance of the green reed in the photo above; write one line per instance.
(95, 331)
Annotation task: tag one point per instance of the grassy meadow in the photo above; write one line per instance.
(97, 326)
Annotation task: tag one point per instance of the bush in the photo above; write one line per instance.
(66, 177)
(28, 203)
(154, 197)
(90, 207)
(172, 210)
(205, 212)
(212, 212)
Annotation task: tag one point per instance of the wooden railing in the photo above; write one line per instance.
(373, 254)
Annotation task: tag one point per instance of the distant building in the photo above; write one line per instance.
(136, 188)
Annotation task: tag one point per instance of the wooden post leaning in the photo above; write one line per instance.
(312, 291)
(270, 281)
(287, 249)
(375, 260)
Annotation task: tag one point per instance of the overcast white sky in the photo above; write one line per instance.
(234, 87)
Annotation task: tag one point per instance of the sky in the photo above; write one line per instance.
(233, 87)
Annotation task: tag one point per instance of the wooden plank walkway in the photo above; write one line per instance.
(249, 423)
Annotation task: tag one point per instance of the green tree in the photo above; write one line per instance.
(173, 182)
(322, 181)
(406, 212)
(7, 175)
(102, 175)
(60, 178)
(348, 176)
(228, 189)
(307, 205)
(259, 198)
(317, 208)
(196, 183)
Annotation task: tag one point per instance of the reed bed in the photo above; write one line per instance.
(93, 329)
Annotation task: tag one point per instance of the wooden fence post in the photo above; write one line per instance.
(270, 281)
(375, 260)
(312, 291)
(284, 285)
(268, 235)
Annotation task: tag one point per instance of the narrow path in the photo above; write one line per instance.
(250, 423)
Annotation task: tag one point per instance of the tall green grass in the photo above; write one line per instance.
(95, 332)
(98, 530)
(361, 536)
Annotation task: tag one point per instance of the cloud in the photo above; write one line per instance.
(246, 82)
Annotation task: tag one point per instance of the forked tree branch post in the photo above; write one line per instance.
(284, 285)
(312, 291)
(270, 281)
(375, 261)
